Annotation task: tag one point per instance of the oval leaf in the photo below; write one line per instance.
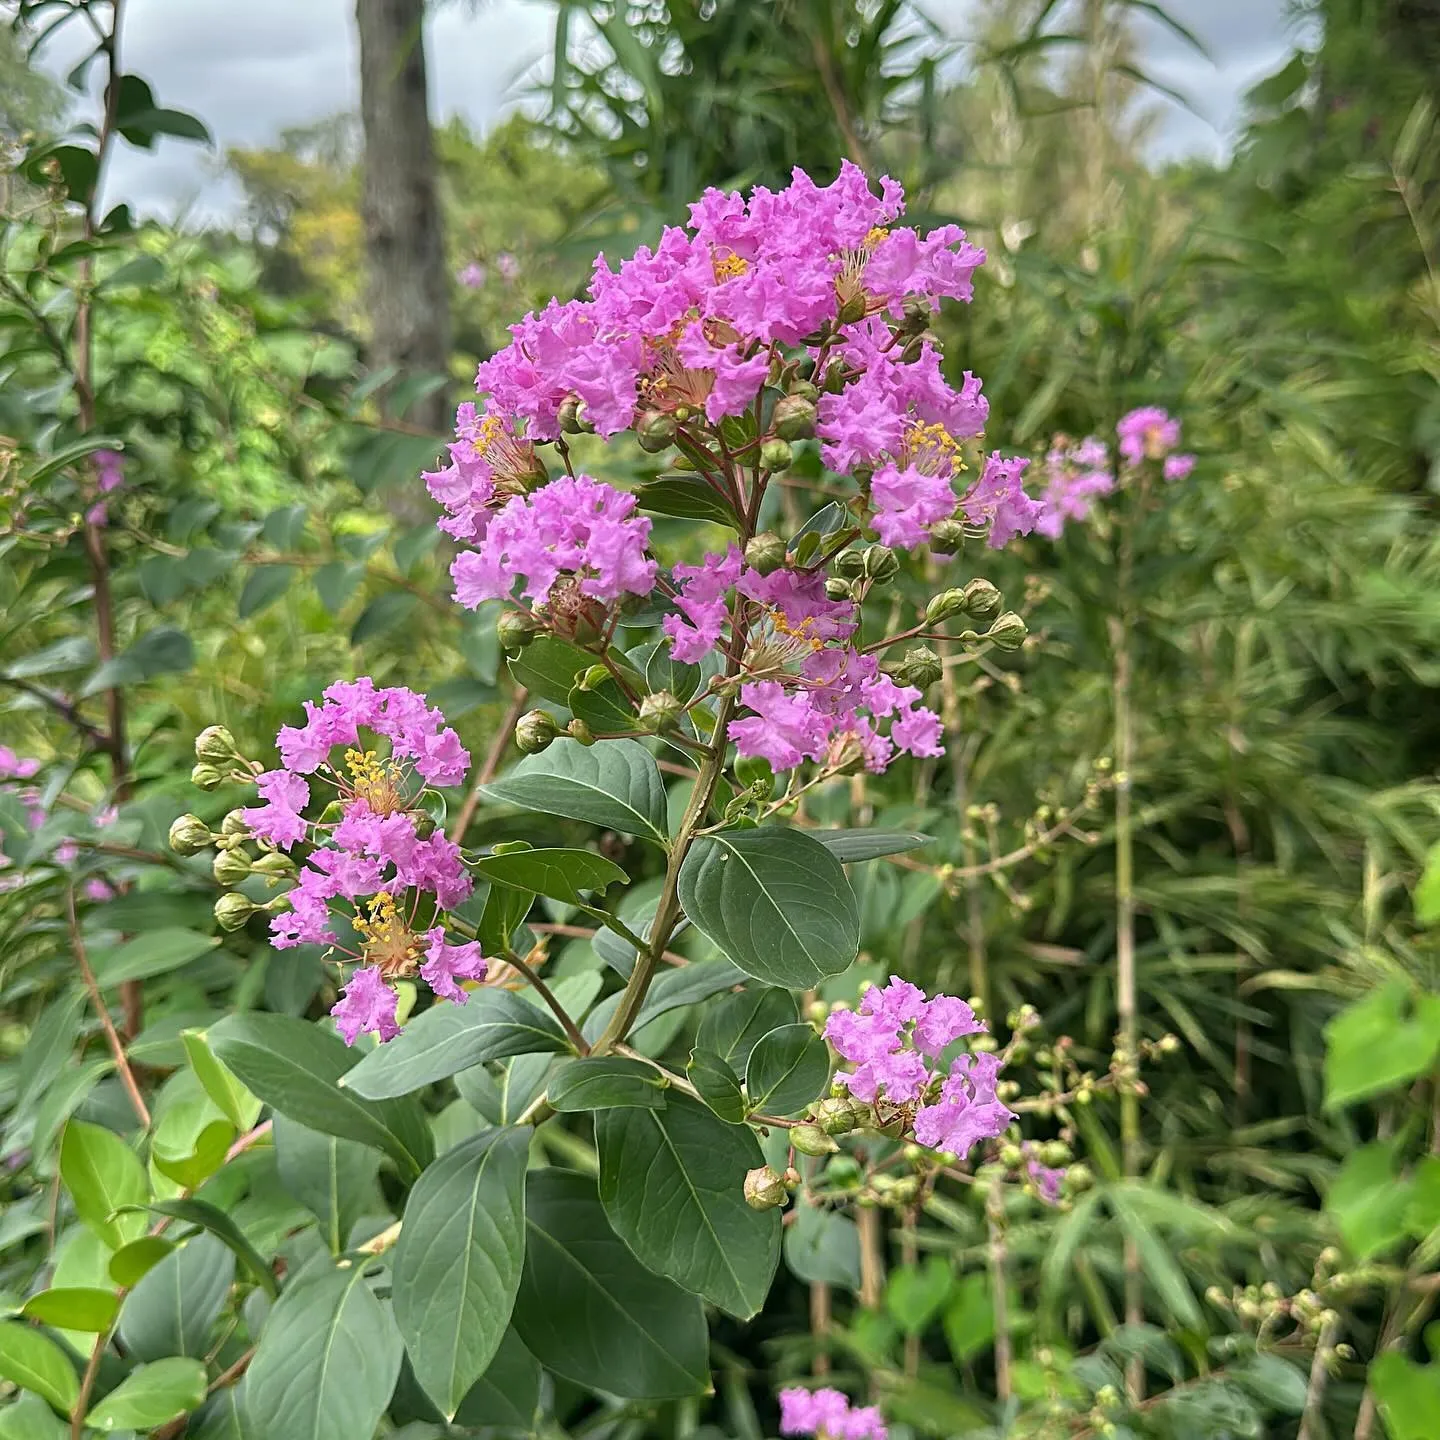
(605, 1083)
(852, 846)
(788, 1069)
(73, 1308)
(103, 1175)
(151, 1395)
(718, 1084)
(560, 874)
(171, 1310)
(457, 1262)
(672, 1183)
(775, 901)
(732, 1028)
(35, 1362)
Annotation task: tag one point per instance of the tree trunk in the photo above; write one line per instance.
(409, 299)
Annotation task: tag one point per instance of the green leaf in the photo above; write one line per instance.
(153, 953)
(1422, 1210)
(295, 1068)
(130, 1263)
(1375, 1045)
(173, 1308)
(383, 614)
(457, 1264)
(1408, 1395)
(102, 1173)
(732, 1028)
(151, 1395)
(30, 1418)
(549, 667)
(335, 583)
(788, 1069)
(969, 1320)
(504, 1090)
(621, 1329)
(508, 1394)
(822, 1247)
(491, 1025)
(661, 671)
(72, 652)
(717, 1084)
(332, 1178)
(1427, 891)
(775, 901)
(1157, 1261)
(224, 1417)
(327, 1360)
(48, 1049)
(915, 1294)
(264, 586)
(205, 1216)
(1367, 1201)
(159, 652)
(1277, 1383)
(672, 1183)
(851, 846)
(686, 985)
(687, 497)
(234, 1100)
(560, 874)
(605, 1083)
(602, 707)
(614, 784)
(35, 1362)
(73, 1308)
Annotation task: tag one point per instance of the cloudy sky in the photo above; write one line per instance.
(254, 68)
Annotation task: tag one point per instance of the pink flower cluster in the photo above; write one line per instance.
(109, 476)
(895, 1040)
(828, 1415)
(381, 846)
(1150, 433)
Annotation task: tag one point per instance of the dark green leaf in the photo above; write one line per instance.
(457, 1263)
(851, 846)
(686, 985)
(717, 1084)
(687, 497)
(621, 1330)
(332, 1178)
(822, 1247)
(732, 1028)
(604, 1083)
(335, 583)
(491, 1025)
(172, 1309)
(205, 1216)
(264, 586)
(775, 901)
(548, 667)
(383, 614)
(672, 1183)
(153, 953)
(788, 1068)
(560, 874)
(508, 1394)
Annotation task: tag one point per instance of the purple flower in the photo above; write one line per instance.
(968, 1110)
(908, 502)
(998, 499)
(701, 597)
(828, 1415)
(14, 767)
(1048, 1181)
(1177, 467)
(279, 820)
(1074, 477)
(1148, 433)
(472, 276)
(445, 964)
(366, 1004)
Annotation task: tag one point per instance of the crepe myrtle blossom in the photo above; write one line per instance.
(1150, 433)
(828, 1415)
(895, 1041)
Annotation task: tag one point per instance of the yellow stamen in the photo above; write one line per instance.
(378, 783)
(877, 237)
(728, 267)
(389, 942)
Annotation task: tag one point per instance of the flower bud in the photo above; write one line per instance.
(794, 417)
(275, 866)
(566, 417)
(215, 744)
(851, 311)
(515, 630)
(920, 666)
(753, 770)
(1008, 631)
(906, 1190)
(235, 823)
(916, 313)
(655, 431)
(850, 563)
(838, 589)
(943, 606)
(776, 454)
(189, 835)
(765, 553)
(804, 389)
(947, 536)
(982, 599)
(881, 565)
(660, 711)
(833, 381)
(584, 425)
(534, 731)
(765, 1188)
(580, 732)
(812, 1140)
(834, 1116)
(207, 777)
(233, 909)
(230, 867)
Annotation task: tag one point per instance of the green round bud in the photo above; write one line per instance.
(235, 823)
(833, 381)
(982, 600)
(660, 711)
(1007, 631)
(515, 630)
(765, 1188)
(850, 564)
(189, 835)
(947, 537)
(776, 454)
(843, 1172)
(215, 744)
(881, 564)
(207, 777)
(765, 552)
(534, 731)
(838, 589)
(944, 605)
(834, 1116)
(567, 418)
(812, 1140)
(580, 732)
(752, 770)
(655, 431)
(852, 310)
(232, 910)
(584, 425)
(906, 1190)
(794, 417)
(804, 389)
(275, 866)
(920, 666)
(230, 867)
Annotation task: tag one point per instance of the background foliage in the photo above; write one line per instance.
(1256, 1253)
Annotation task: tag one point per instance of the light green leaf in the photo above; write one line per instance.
(130, 1263)
(604, 1083)
(1383, 1041)
(1409, 1396)
(672, 1183)
(614, 784)
(1367, 1200)
(35, 1362)
(457, 1263)
(151, 1395)
(775, 901)
(234, 1100)
(1427, 891)
(73, 1309)
(788, 1069)
(102, 1174)
(822, 1247)
(915, 1294)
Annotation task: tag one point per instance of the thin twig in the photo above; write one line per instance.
(548, 996)
(488, 766)
(62, 707)
(117, 1049)
(1319, 1377)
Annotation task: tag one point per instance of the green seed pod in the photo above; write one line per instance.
(275, 866)
(215, 744)
(189, 835)
(515, 630)
(920, 666)
(776, 454)
(534, 731)
(235, 823)
(660, 711)
(230, 867)
(812, 1140)
(850, 564)
(232, 910)
(982, 600)
(834, 1117)
(947, 536)
(804, 389)
(1007, 631)
(794, 417)
(207, 777)
(881, 564)
(943, 606)
(765, 553)
(838, 589)
(765, 1188)
(568, 418)
(655, 431)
